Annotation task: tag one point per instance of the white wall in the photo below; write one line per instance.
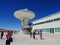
(47, 25)
(52, 16)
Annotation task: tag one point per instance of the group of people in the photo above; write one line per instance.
(9, 38)
(32, 34)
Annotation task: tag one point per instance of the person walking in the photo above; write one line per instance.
(30, 33)
(8, 38)
(34, 34)
(40, 34)
(2, 33)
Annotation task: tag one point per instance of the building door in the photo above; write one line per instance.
(51, 30)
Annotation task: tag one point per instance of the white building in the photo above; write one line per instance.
(50, 24)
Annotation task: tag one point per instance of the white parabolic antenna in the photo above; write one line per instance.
(24, 15)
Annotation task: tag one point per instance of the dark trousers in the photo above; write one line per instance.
(1, 36)
(7, 42)
(40, 36)
(34, 36)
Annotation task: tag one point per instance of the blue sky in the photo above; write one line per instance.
(41, 8)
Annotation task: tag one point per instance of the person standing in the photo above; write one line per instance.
(40, 34)
(11, 32)
(34, 34)
(30, 33)
(2, 33)
(8, 38)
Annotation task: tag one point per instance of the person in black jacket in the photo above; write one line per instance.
(40, 34)
(2, 33)
(34, 34)
(30, 34)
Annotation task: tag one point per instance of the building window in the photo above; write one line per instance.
(43, 22)
(57, 19)
(57, 29)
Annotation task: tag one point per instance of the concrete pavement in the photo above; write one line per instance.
(48, 39)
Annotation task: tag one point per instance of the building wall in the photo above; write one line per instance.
(49, 24)
(52, 16)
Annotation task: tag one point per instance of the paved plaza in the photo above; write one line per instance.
(21, 39)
